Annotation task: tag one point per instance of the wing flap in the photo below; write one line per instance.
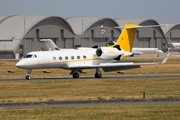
(109, 69)
(119, 66)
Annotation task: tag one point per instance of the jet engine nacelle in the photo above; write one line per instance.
(109, 52)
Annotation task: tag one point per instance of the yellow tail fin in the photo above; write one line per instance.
(126, 39)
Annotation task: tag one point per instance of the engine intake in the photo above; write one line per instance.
(98, 52)
(109, 52)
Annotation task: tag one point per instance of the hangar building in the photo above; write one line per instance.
(172, 32)
(22, 34)
(66, 33)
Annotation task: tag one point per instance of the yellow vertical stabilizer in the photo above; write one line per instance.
(126, 39)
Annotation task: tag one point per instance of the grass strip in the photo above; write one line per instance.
(164, 112)
(88, 90)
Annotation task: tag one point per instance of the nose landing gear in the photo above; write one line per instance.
(28, 75)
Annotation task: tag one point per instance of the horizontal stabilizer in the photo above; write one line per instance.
(149, 26)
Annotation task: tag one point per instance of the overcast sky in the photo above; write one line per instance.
(162, 11)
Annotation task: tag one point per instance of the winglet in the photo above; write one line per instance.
(166, 57)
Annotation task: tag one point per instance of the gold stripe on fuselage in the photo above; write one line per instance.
(65, 61)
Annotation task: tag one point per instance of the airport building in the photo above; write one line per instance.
(22, 34)
(172, 32)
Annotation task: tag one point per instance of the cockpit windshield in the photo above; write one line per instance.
(29, 56)
(34, 56)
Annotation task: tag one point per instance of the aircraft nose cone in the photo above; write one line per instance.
(22, 64)
(19, 64)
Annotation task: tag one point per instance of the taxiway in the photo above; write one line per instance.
(120, 77)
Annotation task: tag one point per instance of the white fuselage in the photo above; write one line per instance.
(174, 46)
(177, 46)
(65, 58)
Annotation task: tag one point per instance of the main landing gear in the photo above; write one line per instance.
(98, 73)
(75, 74)
(28, 75)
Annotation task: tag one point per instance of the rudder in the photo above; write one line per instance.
(126, 39)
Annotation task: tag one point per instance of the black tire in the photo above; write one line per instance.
(98, 75)
(28, 77)
(76, 75)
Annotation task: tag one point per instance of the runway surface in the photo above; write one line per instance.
(120, 77)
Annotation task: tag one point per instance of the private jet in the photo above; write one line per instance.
(174, 46)
(82, 58)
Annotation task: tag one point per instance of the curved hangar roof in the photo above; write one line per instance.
(123, 22)
(12, 29)
(169, 27)
(77, 23)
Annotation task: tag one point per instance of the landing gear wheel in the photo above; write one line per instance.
(28, 77)
(98, 75)
(76, 75)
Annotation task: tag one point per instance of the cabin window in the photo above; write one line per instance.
(78, 57)
(72, 57)
(54, 58)
(66, 57)
(60, 58)
(84, 57)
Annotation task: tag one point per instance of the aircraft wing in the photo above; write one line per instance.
(107, 67)
(118, 66)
